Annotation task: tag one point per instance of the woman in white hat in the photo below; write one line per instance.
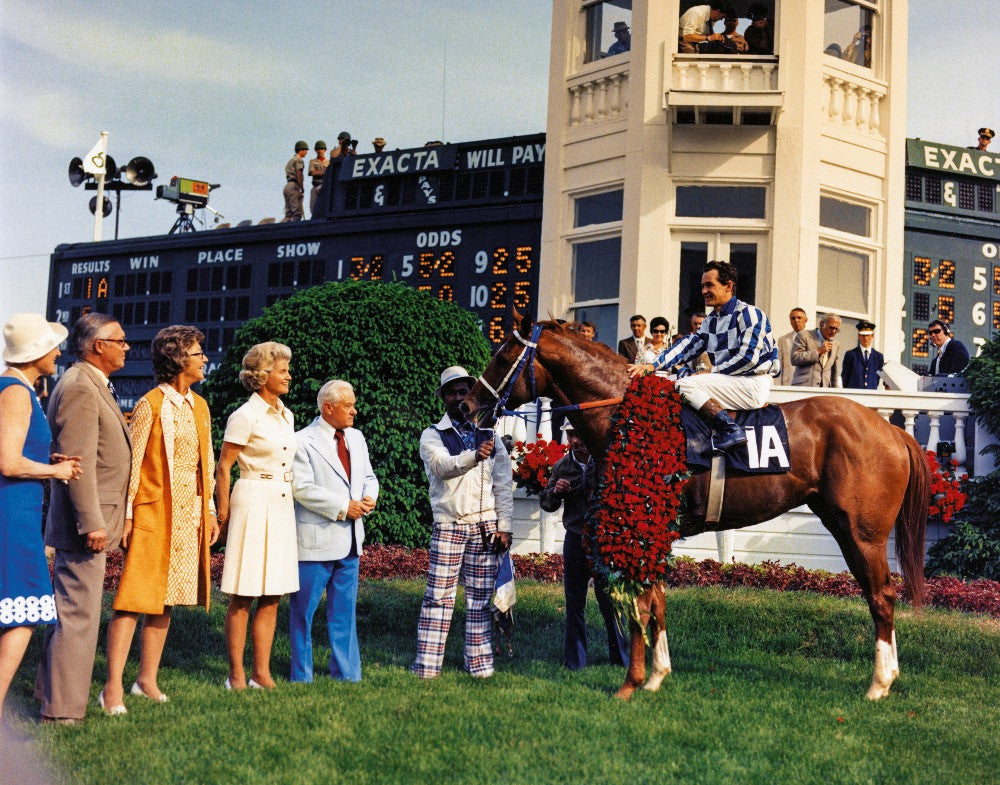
(32, 346)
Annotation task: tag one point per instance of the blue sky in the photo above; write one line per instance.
(220, 92)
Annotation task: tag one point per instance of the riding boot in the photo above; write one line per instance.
(726, 433)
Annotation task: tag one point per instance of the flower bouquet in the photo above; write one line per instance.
(947, 497)
(533, 462)
(639, 493)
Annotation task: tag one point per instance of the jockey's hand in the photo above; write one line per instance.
(640, 370)
(505, 538)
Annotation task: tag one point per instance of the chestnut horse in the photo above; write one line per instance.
(858, 473)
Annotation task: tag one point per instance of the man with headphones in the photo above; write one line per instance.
(952, 356)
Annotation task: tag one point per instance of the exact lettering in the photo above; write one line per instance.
(380, 165)
(226, 255)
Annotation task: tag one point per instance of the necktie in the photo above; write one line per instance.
(865, 353)
(342, 453)
(111, 389)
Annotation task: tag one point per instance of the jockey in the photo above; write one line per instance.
(743, 351)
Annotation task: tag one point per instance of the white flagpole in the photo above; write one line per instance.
(99, 211)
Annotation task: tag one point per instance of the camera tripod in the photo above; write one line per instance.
(185, 218)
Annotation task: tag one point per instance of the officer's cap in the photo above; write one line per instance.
(987, 132)
(866, 328)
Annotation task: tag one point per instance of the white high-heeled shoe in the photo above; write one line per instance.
(137, 690)
(113, 711)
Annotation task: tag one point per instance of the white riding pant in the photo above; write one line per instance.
(733, 392)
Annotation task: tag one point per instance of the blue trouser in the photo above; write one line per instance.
(339, 579)
(576, 575)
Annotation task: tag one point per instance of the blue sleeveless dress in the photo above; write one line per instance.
(25, 586)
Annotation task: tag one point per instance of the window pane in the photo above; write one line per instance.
(599, 208)
(596, 269)
(847, 32)
(844, 216)
(605, 320)
(843, 279)
(719, 201)
(601, 21)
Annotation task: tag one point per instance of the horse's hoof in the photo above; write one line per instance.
(625, 693)
(653, 683)
(877, 691)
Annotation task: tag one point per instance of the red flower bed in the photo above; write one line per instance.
(395, 561)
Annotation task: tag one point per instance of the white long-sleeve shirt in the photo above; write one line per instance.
(462, 489)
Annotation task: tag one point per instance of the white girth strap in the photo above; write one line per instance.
(716, 488)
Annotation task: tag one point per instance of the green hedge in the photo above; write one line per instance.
(391, 342)
(972, 547)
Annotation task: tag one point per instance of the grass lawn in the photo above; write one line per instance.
(767, 688)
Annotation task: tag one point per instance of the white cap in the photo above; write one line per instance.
(454, 373)
(28, 337)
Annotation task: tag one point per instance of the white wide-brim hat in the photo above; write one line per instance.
(454, 373)
(28, 336)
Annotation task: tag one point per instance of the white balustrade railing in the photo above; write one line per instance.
(928, 416)
(599, 95)
(852, 102)
(723, 73)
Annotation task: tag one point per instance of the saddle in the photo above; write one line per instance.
(766, 450)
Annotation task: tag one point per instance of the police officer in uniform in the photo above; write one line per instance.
(985, 137)
(293, 183)
(862, 363)
(317, 168)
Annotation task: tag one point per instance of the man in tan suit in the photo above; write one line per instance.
(797, 318)
(816, 356)
(86, 516)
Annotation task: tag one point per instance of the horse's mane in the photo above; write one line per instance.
(568, 330)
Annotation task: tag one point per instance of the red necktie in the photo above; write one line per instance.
(342, 453)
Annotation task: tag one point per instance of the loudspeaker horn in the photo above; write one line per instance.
(140, 171)
(107, 206)
(76, 173)
(110, 168)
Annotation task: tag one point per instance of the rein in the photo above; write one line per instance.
(527, 358)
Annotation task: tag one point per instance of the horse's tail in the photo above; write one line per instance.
(911, 524)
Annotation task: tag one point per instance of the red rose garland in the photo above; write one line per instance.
(946, 488)
(639, 492)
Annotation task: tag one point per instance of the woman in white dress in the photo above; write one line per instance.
(657, 344)
(261, 549)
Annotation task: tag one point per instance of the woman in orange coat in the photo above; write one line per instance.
(170, 519)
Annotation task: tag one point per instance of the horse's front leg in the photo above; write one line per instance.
(661, 653)
(636, 672)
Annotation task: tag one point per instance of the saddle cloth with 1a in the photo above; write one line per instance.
(766, 450)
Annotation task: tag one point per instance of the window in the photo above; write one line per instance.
(845, 216)
(608, 29)
(598, 209)
(847, 31)
(718, 201)
(843, 279)
(596, 268)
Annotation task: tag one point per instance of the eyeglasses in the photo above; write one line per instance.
(936, 331)
(984, 136)
(197, 354)
(657, 331)
(119, 341)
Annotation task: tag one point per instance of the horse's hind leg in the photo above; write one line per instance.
(661, 654)
(636, 672)
(869, 565)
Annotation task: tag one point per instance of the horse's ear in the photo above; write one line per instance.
(520, 322)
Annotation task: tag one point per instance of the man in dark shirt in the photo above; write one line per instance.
(952, 356)
(571, 483)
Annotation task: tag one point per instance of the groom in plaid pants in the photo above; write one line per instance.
(470, 488)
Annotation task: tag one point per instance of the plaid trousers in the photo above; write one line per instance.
(457, 548)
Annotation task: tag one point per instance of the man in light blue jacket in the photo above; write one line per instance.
(334, 488)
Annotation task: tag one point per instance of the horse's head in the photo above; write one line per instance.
(513, 377)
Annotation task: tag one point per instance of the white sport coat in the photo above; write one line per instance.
(322, 491)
